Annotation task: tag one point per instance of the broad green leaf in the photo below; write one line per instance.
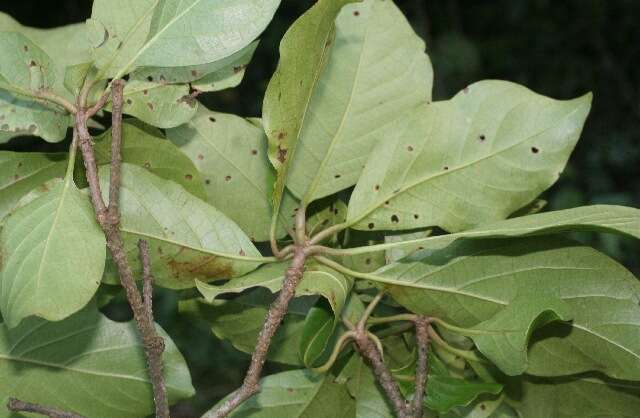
(601, 218)
(147, 148)
(304, 51)
(53, 256)
(173, 33)
(474, 159)
(231, 154)
(446, 390)
(240, 320)
(22, 116)
(319, 326)
(67, 45)
(21, 172)
(469, 282)
(188, 238)
(218, 75)
(369, 399)
(581, 396)
(504, 337)
(317, 280)
(25, 68)
(87, 364)
(372, 78)
(159, 104)
(297, 394)
(485, 407)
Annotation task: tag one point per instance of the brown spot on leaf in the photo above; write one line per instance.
(212, 119)
(409, 148)
(416, 216)
(149, 78)
(367, 261)
(147, 165)
(282, 155)
(337, 176)
(466, 90)
(200, 157)
(194, 73)
(188, 177)
(205, 267)
(482, 137)
(25, 47)
(254, 151)
(129, 101)
(242, 253)
(188, 99)
(145, 92)
(150, 105)
(207, 181)
(371, 225)
(395, 219)
(356, 13)
(239, 68)
(281, 135)
(32, 63)
(227, 178)
(535, 150)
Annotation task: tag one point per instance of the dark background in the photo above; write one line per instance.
(560, 49)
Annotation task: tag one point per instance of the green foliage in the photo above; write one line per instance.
(87, 363)
(434, 204)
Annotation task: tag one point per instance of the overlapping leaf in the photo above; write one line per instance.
(471, 281)
(188, 238)
(377, 71)
(601, 218)
(474, 159)
(581, 396)
(317, 280)
(370, 402)
(87, 364)
(145, 147)
(22, 172)
(172, 33)
(504, 338)
(304, 51)
(218, 75)
(231, 153)
(297, 394)
(240, 320)
(53, 256)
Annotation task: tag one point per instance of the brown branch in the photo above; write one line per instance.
(116, 147)
(422, 341)
(153, 343)
(277, 311)
(369, 351)
(109, 222)
(17, 405)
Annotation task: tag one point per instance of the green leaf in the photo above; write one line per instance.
(173, 33)
(159, 104)
(335, 213)
(24, 68)
(400, 251)
(87, 364)
(68, 45)
(317, 280)
(147, 148)
(240, 320)
(304, 51)
(601, 218)
(372, 78)
(188, 238)
(297, 394)
(21, 172)
(218, 75)
(504, 338)
(361, 383)
(319, 326)
(470, 281)
(21, 116)
(53, 256)
(580, 396)
(231, 154)
(508, 141)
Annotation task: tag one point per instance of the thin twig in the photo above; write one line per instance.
(422, 341)
(277, 311)
(369, 351)
(153, 343)
(17, 405)
(116, 147)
